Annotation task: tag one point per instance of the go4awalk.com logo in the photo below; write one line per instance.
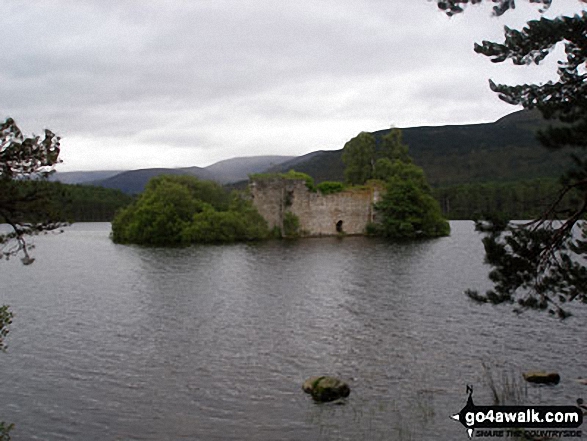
(508, 421)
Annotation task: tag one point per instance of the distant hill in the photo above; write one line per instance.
(323, 165)
(81, 177)
(134, 181)
(503, 151)
(506, 150)
(237, 169)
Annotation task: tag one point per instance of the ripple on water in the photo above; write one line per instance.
(213, 342)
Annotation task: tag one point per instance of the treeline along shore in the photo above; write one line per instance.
(524, 199)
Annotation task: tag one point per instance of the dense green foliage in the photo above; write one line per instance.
(86, 203)
(178, 210)
(68, 203)
(358, 156)
(330, 187)
(241, 221)
(291, 174)
(291, 225)
(513, 200)
(363, 161)
(31, 202)
(541, 265)
(393, 148)
(407, 208)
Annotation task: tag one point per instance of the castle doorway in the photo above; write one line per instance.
(339, 227)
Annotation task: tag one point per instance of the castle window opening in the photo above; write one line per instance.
(339, 227)
(289, 197)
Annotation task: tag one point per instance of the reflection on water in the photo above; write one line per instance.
(214, 342)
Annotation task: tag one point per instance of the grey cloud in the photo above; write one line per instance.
(186, 73)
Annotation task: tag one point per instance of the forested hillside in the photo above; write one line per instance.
(525, 199)
(506, 150)
(86, 203)
(77, 203)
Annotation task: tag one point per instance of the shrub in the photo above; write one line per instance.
(291, 225)
(181, 210)
(292, 174)
(409, 211)
(330, 187)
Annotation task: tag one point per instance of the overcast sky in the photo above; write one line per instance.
(135, 84)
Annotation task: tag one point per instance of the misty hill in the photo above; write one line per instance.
(505, 150)
(81, 177)
(134, 181)
(237, 169)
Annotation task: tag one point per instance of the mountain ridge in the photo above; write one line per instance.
(134, 181)
(503, 150)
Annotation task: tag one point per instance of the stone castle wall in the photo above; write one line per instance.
(348, 211)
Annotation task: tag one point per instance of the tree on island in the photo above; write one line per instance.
(407, 207)
(358, 156)
(539, 265)
(179, 210)
(364, 161)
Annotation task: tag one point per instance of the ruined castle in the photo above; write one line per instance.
(346, 212)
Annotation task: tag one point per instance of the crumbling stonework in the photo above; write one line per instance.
(346, 212)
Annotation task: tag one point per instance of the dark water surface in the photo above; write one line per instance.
(114, 342)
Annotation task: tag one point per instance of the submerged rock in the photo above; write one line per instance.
(325, 388)
(542, 377)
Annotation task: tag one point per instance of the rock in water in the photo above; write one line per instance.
(542, 377)
(308, 385)
(324, 389)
